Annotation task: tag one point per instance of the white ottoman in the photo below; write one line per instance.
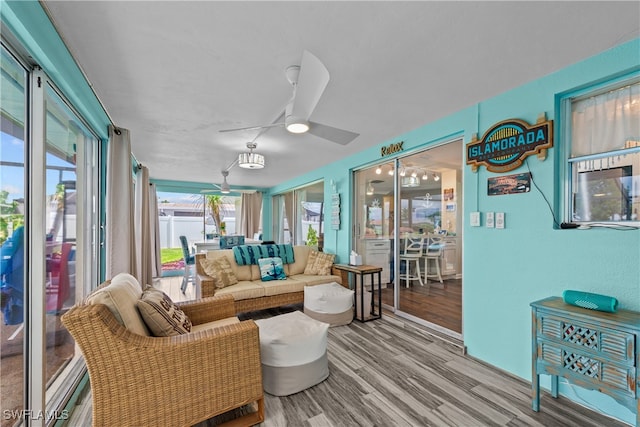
(330, 303)
(293, 352)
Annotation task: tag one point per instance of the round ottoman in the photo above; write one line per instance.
(293, 352)
(330, 303)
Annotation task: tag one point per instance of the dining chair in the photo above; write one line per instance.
(432, 256)
(189, 261)
(411, 254)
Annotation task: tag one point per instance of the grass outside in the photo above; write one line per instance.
(170, 255)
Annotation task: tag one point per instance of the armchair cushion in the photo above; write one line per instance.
(319, 263)
(121, 296)
(219, 269)
(161, 315)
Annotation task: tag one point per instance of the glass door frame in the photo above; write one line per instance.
(360, 221)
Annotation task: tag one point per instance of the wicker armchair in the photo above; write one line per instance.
(181, 380)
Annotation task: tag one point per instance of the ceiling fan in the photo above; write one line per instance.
(309, 80)
(225, 188)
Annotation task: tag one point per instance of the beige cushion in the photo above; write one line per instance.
(243, 290)
(301, 255)
(215, 324)
(219, 269)
(163, 317)
(279, 287)
(121, 297)
(319, 263)
(242, 272)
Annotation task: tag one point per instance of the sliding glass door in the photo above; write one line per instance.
(50, 221)
(13, 89)
(408, 221)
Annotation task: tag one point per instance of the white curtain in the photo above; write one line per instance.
(120, 245)
(288, 213)
(605, 122)
(143, 228)
(300, 231)
(154, 220)
(251, 214)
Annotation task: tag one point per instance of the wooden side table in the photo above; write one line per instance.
(362, 271)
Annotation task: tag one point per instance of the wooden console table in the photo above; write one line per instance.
(361, 271)
(592, 349)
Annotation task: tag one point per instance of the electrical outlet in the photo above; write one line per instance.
(489, 221)
(499, 219)
(475, 219)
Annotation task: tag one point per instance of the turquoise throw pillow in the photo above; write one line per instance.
(271, 269)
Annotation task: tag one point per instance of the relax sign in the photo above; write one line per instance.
(391, 149)
(505, 146)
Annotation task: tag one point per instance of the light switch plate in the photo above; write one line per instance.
(475, 219)
(499, 219)
(489, 221)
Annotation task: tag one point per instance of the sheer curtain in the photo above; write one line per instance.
(250, 216)
(120, 246)
(300, 231)
(605, 122)
(143, 228)
(154, 220)
(288, 213)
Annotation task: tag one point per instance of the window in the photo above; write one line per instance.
(298, 216)
(603, 128)
(194, 215)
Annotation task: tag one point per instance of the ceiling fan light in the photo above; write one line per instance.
(251, 160)
(296, 125)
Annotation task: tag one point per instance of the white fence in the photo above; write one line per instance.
(172, 227)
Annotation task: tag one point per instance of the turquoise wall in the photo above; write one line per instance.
(505, 270)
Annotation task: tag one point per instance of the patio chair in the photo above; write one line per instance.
(189, 261)
(12, 275)
(180, 380)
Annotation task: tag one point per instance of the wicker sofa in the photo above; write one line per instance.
(251, 293)
(142, 380)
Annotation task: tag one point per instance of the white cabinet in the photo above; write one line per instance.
(377, 252)
(449, 258)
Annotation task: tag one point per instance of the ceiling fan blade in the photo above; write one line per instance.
(339, 136)
(252, 127)
(233, 190)
(312, 81)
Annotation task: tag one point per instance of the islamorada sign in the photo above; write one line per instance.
(505, 146)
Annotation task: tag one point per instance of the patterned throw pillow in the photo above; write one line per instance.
(319, 263)
(271, 269)
(220, 271)
(161, 315)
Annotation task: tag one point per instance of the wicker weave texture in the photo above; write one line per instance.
(173, 381)
(208, 289)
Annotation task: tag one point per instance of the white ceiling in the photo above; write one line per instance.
(175, 73)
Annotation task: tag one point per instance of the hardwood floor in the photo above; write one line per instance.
(437, 303)
(392, 372)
